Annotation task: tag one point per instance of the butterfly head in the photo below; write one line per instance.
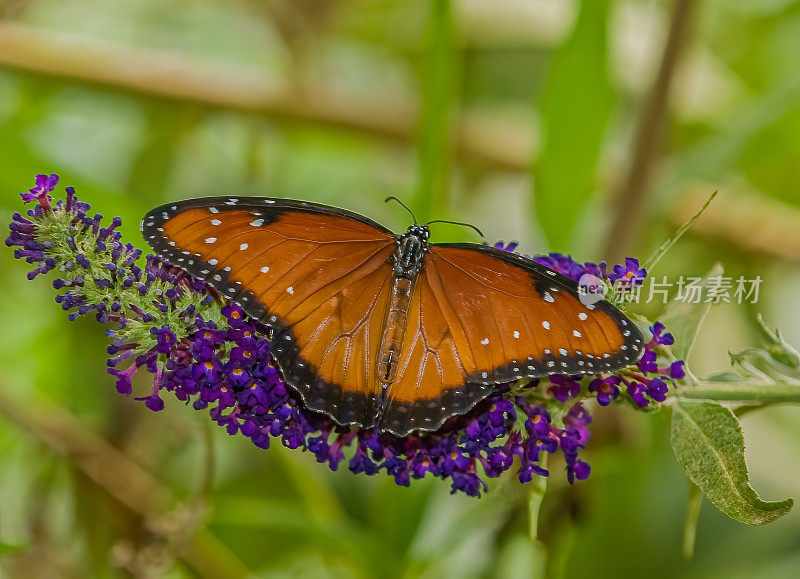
(420, 231)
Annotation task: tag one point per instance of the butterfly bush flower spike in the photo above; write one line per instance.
(201, 350)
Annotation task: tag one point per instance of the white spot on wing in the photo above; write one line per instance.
(485, 341)
(576, 333)
(548, 297)
(546, 325)
(582, 316)
(516, 334)
(213, 261)
(210, 239)
(243, 246)
(215, 222)
(290, 289)
(265, 269)
(257, 223)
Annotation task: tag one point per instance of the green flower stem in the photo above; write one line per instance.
(535, 498)
(743, 392)
(693, 514)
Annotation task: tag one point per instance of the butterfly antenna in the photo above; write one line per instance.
(470, 225)
(403, 205)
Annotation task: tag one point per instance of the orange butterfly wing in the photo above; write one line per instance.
(481, 317)
(318, 276)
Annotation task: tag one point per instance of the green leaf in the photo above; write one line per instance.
(708, 443)
(759, 376)
(779, 349)
(575, 110)
(438, 93)
(760, 363)
(7, 549)
(662, 250)
(683, 319)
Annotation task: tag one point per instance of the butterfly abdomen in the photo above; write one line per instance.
(391, 347)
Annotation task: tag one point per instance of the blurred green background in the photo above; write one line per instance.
(591, 127)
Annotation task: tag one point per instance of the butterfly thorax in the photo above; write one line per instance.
(408, 259)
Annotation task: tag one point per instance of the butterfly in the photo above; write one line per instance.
(385, 330)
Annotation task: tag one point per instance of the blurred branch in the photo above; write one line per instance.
(247, 89)
(122, 478)
(748, 221)
(630, 200)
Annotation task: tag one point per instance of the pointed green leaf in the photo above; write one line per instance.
(439, 83)
(708, 443)
(667, 245)
(780, 350)
(576, 106)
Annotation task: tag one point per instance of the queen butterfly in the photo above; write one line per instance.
(384, 330)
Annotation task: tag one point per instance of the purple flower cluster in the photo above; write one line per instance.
(171, 326)
(652, 379)
(227, 367)
(80, 257)
(627, 275)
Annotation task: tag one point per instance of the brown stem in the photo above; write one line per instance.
(630, 200)
(772, 226)
(122, 478)
(164, 75)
